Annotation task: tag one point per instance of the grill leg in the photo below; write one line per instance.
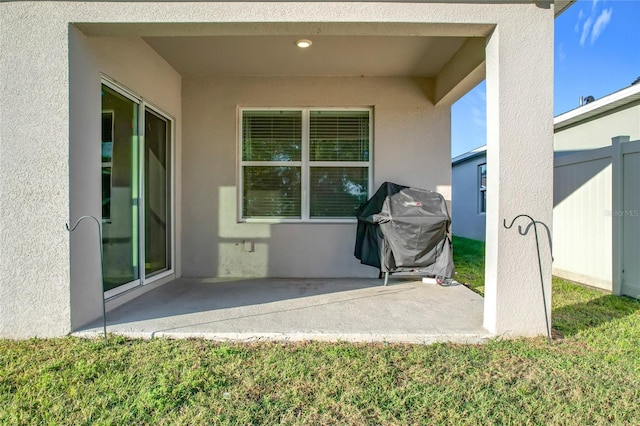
(386, 278)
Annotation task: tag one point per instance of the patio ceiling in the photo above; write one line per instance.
(371, 56)
(447, 60)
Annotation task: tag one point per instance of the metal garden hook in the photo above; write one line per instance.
(524, 232)
(104, 314)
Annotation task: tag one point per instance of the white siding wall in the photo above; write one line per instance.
(582, 228)
(598, 131)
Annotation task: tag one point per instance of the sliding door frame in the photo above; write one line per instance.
(144, 105)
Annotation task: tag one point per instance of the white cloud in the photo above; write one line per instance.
(482, 97)
(586, 27)
(562, 54)
(595, 3)
(479, 118)
(580, 16)
(601, 24)
(479, 109)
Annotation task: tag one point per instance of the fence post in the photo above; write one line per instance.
(617, 219)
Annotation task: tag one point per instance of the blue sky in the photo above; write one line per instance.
(597, 52)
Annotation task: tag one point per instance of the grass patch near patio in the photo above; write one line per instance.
(468, 257)
(592, 376)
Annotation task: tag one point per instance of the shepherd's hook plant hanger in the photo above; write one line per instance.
(104, 314)
(534, 223)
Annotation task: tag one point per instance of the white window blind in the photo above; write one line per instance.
(304, 164)
(271, 135)
(339, 136)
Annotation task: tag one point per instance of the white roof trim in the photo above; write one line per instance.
(469, 155)
(620, 98)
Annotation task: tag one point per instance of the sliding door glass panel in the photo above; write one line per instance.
(157, 194)
(119, 189)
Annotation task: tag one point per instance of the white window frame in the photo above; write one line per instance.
(304, 164)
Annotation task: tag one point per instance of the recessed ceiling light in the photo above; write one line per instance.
(303, 43)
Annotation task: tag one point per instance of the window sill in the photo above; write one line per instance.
(276, 221)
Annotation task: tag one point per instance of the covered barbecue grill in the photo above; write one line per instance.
(403, 229)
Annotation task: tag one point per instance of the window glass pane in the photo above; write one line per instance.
(157, 194)
(107, 156)
(482, 173)
(106, 193)
(271, 135)
(339, 136)
(271, 191)
(337, 191)
(120, 189)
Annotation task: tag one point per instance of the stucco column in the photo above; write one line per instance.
(34, 173)
(519, 58)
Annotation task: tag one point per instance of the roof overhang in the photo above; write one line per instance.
(474, 153)
(562, 5)
(600, 106)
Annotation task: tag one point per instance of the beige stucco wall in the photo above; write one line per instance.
(34, 152)
(50, 112)
(598, 131)
(520, 171)
(411, 147)
(36, 116)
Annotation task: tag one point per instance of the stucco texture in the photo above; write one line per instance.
(48, 89)
(410, 147)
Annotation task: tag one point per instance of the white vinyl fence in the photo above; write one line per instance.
(596, 217)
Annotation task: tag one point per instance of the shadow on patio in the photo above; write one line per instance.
(301, 309)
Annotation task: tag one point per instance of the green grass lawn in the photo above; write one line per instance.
(468, 256)
(592, 376)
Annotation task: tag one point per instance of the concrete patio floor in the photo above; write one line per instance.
(357, 310)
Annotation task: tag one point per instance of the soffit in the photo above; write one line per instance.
(562, 5)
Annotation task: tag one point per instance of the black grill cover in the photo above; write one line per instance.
(404, 229)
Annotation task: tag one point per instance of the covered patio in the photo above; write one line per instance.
(357, 310)
(175, 87)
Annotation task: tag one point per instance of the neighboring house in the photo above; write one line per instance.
(596, 215)
(593, 124)
(212, 146)
(469, 194)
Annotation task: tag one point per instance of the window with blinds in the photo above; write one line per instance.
(304, 164)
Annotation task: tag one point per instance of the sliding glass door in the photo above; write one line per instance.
(136, 191)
